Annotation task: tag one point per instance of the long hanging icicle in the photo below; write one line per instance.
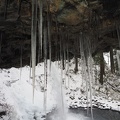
(49, 34)
(84, 68)
(40, 28)
(67, 71)
(56, 41)
(90, 72)
(33, 40)
(56, 49)
(45, 66)
(64, 50)
(64, 56)
(76, 50)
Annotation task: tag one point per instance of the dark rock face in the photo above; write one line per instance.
(110, 5)
(98, 19)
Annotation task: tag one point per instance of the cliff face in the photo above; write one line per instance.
(99, 19)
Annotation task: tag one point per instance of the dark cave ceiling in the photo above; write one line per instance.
(99, 19)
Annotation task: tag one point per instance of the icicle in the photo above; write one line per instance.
(33, 40)
(39, 46)
(49, 34)
(21, 52)
(45, 67)
(61, 58)
(84, 69)
(67, 71)
(64, 49)
(40, 28)
(90, 72)
(64, 55)
(56, 42)
(62, 52)
(56, 50)
(75, 55)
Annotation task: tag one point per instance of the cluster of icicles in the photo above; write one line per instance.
(43, 34)
(40, 29)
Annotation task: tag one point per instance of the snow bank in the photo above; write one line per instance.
(16, 93)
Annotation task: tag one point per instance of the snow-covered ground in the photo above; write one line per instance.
(16, 94)
(16, 99)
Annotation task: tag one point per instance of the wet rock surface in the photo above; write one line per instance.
(98, 19)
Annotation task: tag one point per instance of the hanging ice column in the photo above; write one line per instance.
(40, 29)
(33, 40)
(84, 66)
(90, 71)
(45, 66)
(86, 58)
(49, 33)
